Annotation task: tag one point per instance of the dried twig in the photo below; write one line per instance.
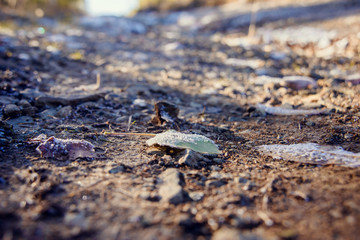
(129, 134)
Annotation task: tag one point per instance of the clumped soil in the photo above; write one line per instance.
(76, 81)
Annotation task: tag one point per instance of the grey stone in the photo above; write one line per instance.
(220, 175)
(64, 112)
(76, 219)
(196, 196)
(11, 111)
(268, 72)
(190, 158)
(24, 104)
(117, 169)
(215, 183)
(47, 113)
(26, 108)
(171, 187)
(242, 180)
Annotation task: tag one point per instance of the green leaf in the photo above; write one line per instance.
(176, 139)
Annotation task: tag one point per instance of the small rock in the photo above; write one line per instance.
(24, 104)
(196, 196)
(64, 112)
(11, 111)
(170, 47)
(299, 82)
(24, 56)
(76, 219)
(140, 103)
(117, 169)
(242, 180)
(171, 188)
(353, 80)
(190, 158)
(47, 113)
(26, 108)
(272, 72)
(220, 176)
(216, 183)
(278, 56)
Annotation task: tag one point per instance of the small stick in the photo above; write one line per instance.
(98, 80)
(252, 25)
(131, 134)
(129, 122)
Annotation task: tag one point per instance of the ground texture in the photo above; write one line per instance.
(78, 80)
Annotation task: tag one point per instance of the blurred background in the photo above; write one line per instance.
(65, 8)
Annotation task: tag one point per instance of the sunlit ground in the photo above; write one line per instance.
(110, 7)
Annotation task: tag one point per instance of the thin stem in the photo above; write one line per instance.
(132, 134)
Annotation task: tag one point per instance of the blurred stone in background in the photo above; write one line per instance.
(43, 8)
(166, 5)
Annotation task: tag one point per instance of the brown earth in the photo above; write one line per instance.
(48, 70)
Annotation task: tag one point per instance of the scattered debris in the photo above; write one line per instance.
(176, 139)
(287, 112)
(72, 148)
(312, 153)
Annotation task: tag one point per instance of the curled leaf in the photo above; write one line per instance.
(176, 139)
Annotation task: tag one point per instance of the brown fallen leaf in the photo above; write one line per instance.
(165, 112)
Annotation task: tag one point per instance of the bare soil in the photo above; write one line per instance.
(49, 70)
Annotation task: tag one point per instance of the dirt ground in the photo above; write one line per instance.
(77, 80)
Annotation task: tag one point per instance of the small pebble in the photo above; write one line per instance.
(11, 111)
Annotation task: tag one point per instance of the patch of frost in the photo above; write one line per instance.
(312, 153)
